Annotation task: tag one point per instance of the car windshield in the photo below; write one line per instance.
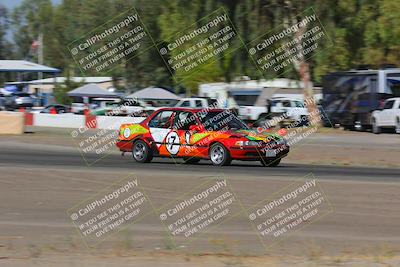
(22, 95)
(220, 120)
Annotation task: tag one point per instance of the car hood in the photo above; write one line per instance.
(253, 135)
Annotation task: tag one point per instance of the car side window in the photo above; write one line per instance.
(286, 104)
(183, 120)
(131, 103)
(388, 104)
(161, 120)
(298, 104)
(198, 103)
(185, 103)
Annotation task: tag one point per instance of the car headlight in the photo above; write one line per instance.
(280, 141)
(247, 143)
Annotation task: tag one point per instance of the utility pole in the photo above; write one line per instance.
(303, 68)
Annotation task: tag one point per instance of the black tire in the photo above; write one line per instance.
(270, 162)
(191, 160)
(141, 152)
(375, 128)
(397, 127)
(219, 155)
(348, 127)
(304, 121)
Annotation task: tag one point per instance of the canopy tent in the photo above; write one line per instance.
(91, 90)
(21, 67)
(154, 93)
(24, 66)
(64, 79)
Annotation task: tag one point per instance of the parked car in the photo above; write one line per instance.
(95, 103)
(2, 101)
(103, 107)
(18, 100)
(192, 134)
(136, 107)
(59, 109)
(122, 107)
(252, 113)
(293, 110)
(387, 117)
(196, 102)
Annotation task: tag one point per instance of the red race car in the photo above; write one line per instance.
(194, 134)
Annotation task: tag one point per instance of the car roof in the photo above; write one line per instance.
(285, 98)
(52, 105)
(193, 98)
(393, 98)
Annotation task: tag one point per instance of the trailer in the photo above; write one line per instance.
(350, 97)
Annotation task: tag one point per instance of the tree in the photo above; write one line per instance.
(61, 90)
(6, 51)
(5, 46)
(30, 19)
(363, 32)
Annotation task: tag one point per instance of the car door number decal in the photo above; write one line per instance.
(187, 137)
(172, 143)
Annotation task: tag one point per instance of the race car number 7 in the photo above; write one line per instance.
(171, 145)
(171, 141)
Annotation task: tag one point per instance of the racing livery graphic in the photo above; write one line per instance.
(195, 134)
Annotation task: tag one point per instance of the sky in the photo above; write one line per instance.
(13, 3)
(10, 4)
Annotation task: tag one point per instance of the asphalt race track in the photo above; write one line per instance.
(41, 178)
(41, 157)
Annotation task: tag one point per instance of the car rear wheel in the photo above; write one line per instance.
(219, 155)
(375, 128)
(270, 162)
(141, 152)
(398, 126)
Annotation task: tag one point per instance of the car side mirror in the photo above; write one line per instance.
(194, 128)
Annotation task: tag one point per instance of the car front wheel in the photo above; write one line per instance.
(375, 128)
(141, 152)
(219, 155)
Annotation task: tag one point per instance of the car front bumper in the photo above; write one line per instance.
(258, 153)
